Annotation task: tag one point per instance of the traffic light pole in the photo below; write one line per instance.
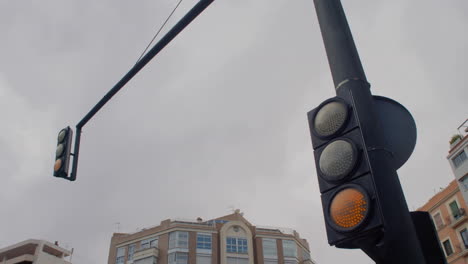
(399, 243)
(184, 22)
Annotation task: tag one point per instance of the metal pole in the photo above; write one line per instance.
(399, 243)
(76, 153)
(184, 22)
(341, 51)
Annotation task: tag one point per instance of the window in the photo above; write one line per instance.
(131, 250)
(438, 221)
(203, 241)
(269, 248)
(234, 260)
(120, 255)
(459, 159)
(447, 248)
(464, 182)
(148, 260)
(236, 245)
(178, 258)
(203, 259)
(464, 236)
(178, 239)
(456, 212)
(149, 243)
(289, 248)
(290, 261)
(270, 261)
(305, 255)
(211, 222)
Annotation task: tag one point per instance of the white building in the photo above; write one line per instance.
(458, 160)
(34, 251)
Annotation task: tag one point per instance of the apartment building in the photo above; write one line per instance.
(230, 239)
(448, 211)
(34, 251)
(457, 158)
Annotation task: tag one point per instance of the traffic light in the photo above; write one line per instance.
(350, 203)
(62, 153)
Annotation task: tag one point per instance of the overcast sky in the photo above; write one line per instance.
(216, 121)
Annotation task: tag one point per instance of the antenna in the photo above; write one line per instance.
(71, 254)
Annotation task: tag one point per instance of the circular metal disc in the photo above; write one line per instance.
(399, 128)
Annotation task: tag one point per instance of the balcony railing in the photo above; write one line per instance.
(193, 223)
(145, 253)
(461, 250)
(458, 217)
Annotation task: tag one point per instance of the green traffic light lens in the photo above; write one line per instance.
(330, 118)
(338, 159)
(61, 136)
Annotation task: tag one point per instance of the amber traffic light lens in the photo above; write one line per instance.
(61, 135)
(58, 165)
(349, 209)
(337, 160)
(330, 118)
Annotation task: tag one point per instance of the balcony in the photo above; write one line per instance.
(458, 218)
(20, 259)
(145, 253)
(461, 251)
(464, 251)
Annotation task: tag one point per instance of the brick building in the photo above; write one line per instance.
(457, 158)
(448, 211)
(229, 239)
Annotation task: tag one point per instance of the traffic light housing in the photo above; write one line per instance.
(349, 199)
(62, 153)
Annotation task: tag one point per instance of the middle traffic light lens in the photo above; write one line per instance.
(59, 151)
(337, 160)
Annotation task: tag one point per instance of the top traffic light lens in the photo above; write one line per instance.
(349, 208)
(61, 136)
(330, 118)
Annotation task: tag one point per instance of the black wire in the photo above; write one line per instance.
(180, 1)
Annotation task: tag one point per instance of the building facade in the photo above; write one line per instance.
(458, 160)
(448, 211)
(229, 239)
(34, 251)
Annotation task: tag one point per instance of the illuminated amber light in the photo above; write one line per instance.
(58, 165)
(349, 208)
